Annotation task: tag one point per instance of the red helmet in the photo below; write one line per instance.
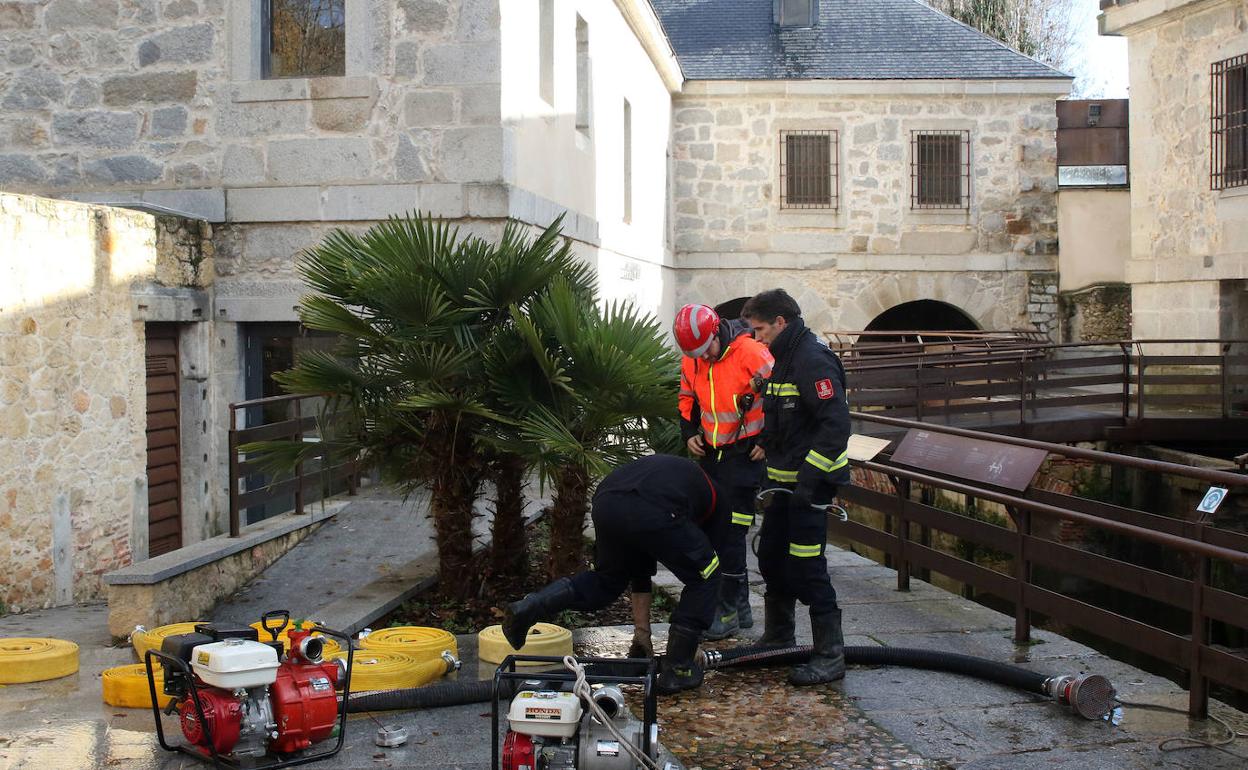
(695, 327)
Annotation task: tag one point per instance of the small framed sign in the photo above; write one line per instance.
(1213, 498)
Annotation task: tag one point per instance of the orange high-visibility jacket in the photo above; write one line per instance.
(716, 389)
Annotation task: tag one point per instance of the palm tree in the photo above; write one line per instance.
(593, 386)
(418, 311)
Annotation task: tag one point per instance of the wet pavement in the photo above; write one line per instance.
(877, 718)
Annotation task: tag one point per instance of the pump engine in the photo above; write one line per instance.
(552, 730)
(239, 699)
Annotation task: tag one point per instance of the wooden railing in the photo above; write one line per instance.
(1072, 392)
(908, 522)
(251, 486)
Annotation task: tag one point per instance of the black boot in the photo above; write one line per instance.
(520, 616)
(726, 620)
(679, 669)
(827, 659)
(779, 621)
(745, 615)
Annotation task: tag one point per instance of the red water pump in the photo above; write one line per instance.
(240, 700)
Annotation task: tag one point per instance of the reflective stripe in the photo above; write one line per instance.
(782, 389)
(753, 427)
(804, 551)
(711, 567)
(775, 474)
(826, 465)
(763, 370)
(745, 519)
(685, 392)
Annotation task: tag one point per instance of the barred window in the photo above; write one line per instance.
(304, 38)
(1229, 129)
(808, 170)
(940, 169)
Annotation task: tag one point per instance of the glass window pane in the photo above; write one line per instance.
(307, 38)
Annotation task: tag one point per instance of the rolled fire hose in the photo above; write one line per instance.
(388, 670)
(543, 639)
(126, 686)
(34, 660)
(1091, 696)
(420, 642)
(143, 640)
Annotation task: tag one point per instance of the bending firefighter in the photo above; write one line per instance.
(721, 416)
(806, 439)
(657, 510)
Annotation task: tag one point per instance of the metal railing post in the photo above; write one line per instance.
(1126, 381)
(1198, 686)
(235, 524)
(1139, 377)
(298, 436)
(1022, 576)
(903, 535)
(1226, 382)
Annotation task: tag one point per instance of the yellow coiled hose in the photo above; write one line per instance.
(24, 659)
(126, 686)
(387, 670)
(420, 642)
(543, 639)
(143, 639)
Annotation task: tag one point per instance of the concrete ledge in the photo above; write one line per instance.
(185, 584)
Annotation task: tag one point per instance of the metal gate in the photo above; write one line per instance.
(164, 466)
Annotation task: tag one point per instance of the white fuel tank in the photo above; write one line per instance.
(235, 663)
(545, 712)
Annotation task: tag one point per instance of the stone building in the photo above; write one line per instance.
(868, 154)
(1188, 69)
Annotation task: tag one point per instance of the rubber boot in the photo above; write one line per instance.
(520, 616)
(745, 615)
(779, 621)
(679, 669)
(827, 658)
(726, 620)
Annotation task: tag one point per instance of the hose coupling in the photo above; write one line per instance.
(452, 663)
(1091, 696)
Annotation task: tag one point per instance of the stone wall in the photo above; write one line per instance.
(874, 249)
(72, 396)
(1097, 313)
(165, 101)
(1185, 236)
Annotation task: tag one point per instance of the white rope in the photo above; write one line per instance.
(585, 692)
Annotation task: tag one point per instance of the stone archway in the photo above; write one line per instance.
(922, 315)
(987, 300)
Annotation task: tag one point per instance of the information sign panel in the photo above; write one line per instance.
(989, 462)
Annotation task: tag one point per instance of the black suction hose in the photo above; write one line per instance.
(459, 693)
(431, 696)
(910, 657)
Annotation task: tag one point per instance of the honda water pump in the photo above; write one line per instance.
(245, 702)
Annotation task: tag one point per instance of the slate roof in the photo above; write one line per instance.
(853, 40)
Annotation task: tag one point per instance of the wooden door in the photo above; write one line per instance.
(164, 462)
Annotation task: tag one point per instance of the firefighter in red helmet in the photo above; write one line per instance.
(721, 415)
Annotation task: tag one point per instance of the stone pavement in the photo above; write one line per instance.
(876, 718)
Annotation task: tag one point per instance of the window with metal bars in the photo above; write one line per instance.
(808, 170)
(1229, 123)
(940, 169)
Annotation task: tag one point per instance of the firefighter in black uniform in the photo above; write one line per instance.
(806, 438)
(662, 509)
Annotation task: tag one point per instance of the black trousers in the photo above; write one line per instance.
(791, 557)
(739, 477)
(632, 538)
